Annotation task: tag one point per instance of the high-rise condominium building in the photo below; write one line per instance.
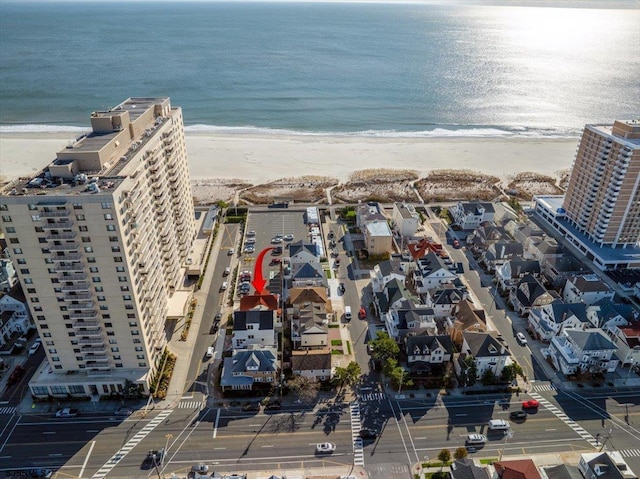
(603, 197)
(99, 240)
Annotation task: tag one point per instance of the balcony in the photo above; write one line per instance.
(61, 237)
(90, 332)
(70, 246)
(74, 277)
(86, 323)
(62, 225)
(94, 349)
(98, 341)
(67, 257)
(95, 358)
(54, 214)
(70, 267)
(82, 306)
(84, 315)
(78, 297)
(75, 287)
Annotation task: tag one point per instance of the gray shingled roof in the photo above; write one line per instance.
(419, 345)
(562, 310)
(263, 318)
(483, 344)
(590, 339)
(466, 469)
(301, 245)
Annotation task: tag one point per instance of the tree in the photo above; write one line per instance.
(460, 453)
(383, 348)
(469, 375)
(349, 375)
(511, 372)
(488, 378)
(396, 373)
(444, 457)
(305, 388)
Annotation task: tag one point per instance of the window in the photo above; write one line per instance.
(91, 259)
(104, 307)
(74, 342)
(127, 297)
(93, 269)
(24, 271)
(22, 261)
(128, 306)
(117, 356)
(118, 365)
(111, 228)
(59, 366)
(76, 389)
(133, 324)
(80, 217)
(96, 279)
(83, 228)
(53, 351)
(131, 315)
(40, 318)
(6, 219)
(4, 207)
(17, 250)
(46, 335)
(88, 249)
(113, 341)
(108, 216)
(251, 336)
(137, 341)
(110, 333)
(101, 298)
(35, 218)
(37, 308)
(40, 390)
(31, 290)
(99, 289)
(117, 259)
(142, 365)
(77, 206)
(116, 249)
(115, 350)
(113, 238)
(42, 240)
(14, 240)
(106, 316)
(122, 279)
(124, 288)
(55, 359)
(39, 229)
(138, 348)
(11, 229)
(108, 325)
(58, 390)
(135, 332)
(76, 350)
(86, 239)
(139, 356)
(105, 205)
(120, 269)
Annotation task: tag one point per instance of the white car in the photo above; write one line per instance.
(325, 447)
(66, 412)
(34, 349)
(521, 339)
(476, 439)
(210, 352)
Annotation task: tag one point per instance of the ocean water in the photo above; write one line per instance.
(433, 69)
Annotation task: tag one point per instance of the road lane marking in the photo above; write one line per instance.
(419, 438)
(550, 429)
(215, 428)
(86, 459)
(49, 432)
(268, 446)
(460, 415)
(218, 449)
(55, 455)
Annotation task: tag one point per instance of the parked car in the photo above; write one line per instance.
(230, 252)
(227, 271)
(518, 415)
(362, 314)
(499, 425)
(341, 288)
(123, 411)
(273, 406)
(200, 468)
(288, 237)
(368, 433)
(325, 448)
(521, 338)
(15, 376)
(275, 261)
(210, 352)
(530, 404)
(251, 406)
(34, 349)
(249, 249)
(250, 241)
(277, 250)
(251, 233)
(67, 412)
(224, 286)
(276, 240)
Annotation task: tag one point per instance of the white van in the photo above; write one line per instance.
(224, 286)
(499, 425)
(476, 439)
(347, 313)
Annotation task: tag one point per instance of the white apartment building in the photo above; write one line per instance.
(99, 239)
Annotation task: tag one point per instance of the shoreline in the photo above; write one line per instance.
(259, 159)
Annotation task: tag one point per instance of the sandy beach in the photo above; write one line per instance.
(260, 159)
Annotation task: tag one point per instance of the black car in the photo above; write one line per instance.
(274, 406)
(251, 406)
(155, 457)
(368, 433)
(518, 415)
(341, 288)
(277, 250)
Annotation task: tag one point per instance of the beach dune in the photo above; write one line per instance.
(260, 159)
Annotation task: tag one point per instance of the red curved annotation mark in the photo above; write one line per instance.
(258, 279)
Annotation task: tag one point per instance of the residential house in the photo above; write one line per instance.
(8, 277)
(431, 272)
(587, 289)
(405, 219)
(549, 320)
(588, 350)
(605, 465)
(14, 318)
(378, 238)
(530, 293)
(303, 252)
(395, 267)
(485, 235)
(307, 275)
(469, 215)
(516, 469)
(509, 273)
(253, 328)
(465, 318)
(390, 298)
(488, 353)
(249, 368)
(268, 302)
(562, 471)
(466, 469)
(312, 364)
(419, 248)
(556, 269)
(408, 317)
(606, 314)
(627, 339)
(309, 325)
(525, 233)
(544, 248)
(424, 352)
(499, 253)
(444, 299)
(368, 212)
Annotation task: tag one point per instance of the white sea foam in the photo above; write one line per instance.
(41, 129)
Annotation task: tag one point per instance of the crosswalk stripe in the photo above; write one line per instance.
(577, 428)
(630, 452)
(190, 404)
(122, 452)
(358, 450)
(7, 410)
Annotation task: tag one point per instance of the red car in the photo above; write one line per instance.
(530, 404)
(362, 313)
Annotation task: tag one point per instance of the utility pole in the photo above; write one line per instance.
(508, 434)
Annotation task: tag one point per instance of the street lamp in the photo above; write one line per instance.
(507, 435)
(166, 446)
